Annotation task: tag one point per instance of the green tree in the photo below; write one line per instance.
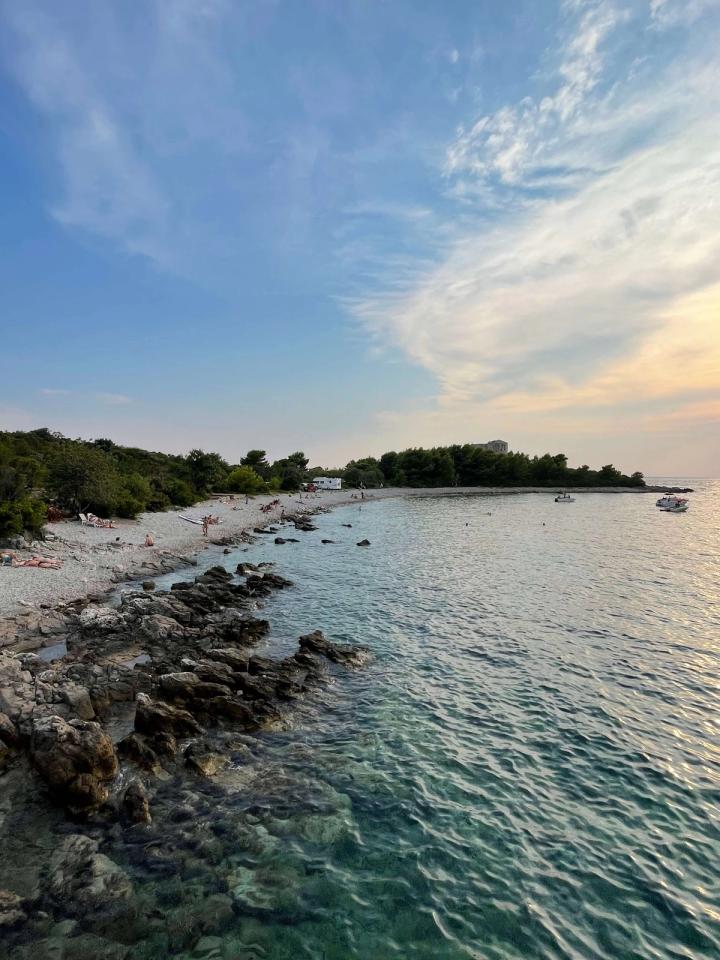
(245, 480)
(365, 472)
(291, 471)
(392, 471)
(299, 459)
(207, 470)
(82, 477)
(256, 460)
(25, 515)
(608, 476)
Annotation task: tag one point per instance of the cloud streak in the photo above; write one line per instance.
(113, 399)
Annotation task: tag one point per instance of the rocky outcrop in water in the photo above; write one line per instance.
(175, 676)
(197, 676)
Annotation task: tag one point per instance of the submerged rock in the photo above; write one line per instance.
(200, 757)
(12, 913)
(82, 880)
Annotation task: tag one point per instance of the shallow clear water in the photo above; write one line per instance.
(531, 765)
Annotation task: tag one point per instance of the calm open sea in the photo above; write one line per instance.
(530, 768)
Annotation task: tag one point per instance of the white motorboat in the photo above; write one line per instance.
(680, 506)
(564, 498)
(667, 500)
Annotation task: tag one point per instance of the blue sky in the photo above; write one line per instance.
(352, 227)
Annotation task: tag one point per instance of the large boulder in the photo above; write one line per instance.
(78, 700)
(95, 620)
(238, 662)
(159, 628)
(76, 758)
(152, 716)
(179, 686)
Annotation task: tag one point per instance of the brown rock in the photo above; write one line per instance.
(200, 757)
(152, 716)
(75, 758)
(8, 732)
(11, 910)
(136, 804)
(228, 708)
(136, 748)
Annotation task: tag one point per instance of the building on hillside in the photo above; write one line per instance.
(497, 446)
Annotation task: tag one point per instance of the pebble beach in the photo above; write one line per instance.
(94, 559)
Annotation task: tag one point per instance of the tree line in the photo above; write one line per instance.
(41, 470)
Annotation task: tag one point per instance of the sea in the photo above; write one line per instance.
(529, 766)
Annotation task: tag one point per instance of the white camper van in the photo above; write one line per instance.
(328, 483)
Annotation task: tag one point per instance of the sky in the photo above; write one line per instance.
(362, 226)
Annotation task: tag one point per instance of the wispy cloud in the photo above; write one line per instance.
(108, 189)
(113, 399)
(517, 144)
(672, 13)
(54, 392)
(576, 294)
(121, 114)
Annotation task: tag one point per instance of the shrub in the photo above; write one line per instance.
(24, 515)
(126, 505)
(180, 493)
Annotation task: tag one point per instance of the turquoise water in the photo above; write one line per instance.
(531, 765)
(528, 768)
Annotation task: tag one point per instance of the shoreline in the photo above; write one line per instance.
(96, 560)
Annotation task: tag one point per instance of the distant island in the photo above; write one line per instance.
(44, 474)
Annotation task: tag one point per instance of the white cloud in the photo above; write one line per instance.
(113, 399)
(585, 297)
(516, 141)
(121, 115)
(673, 13)
(55, 392)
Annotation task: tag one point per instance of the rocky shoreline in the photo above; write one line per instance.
(125, 740)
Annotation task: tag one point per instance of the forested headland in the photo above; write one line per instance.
(42, 471)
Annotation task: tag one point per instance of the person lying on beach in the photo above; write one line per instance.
(99, 522)
(47, 563)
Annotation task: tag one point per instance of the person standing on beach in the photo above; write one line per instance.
(205, 524)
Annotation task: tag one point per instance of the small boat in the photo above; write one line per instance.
(680, 506)
(564, 498)
(667, 500)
